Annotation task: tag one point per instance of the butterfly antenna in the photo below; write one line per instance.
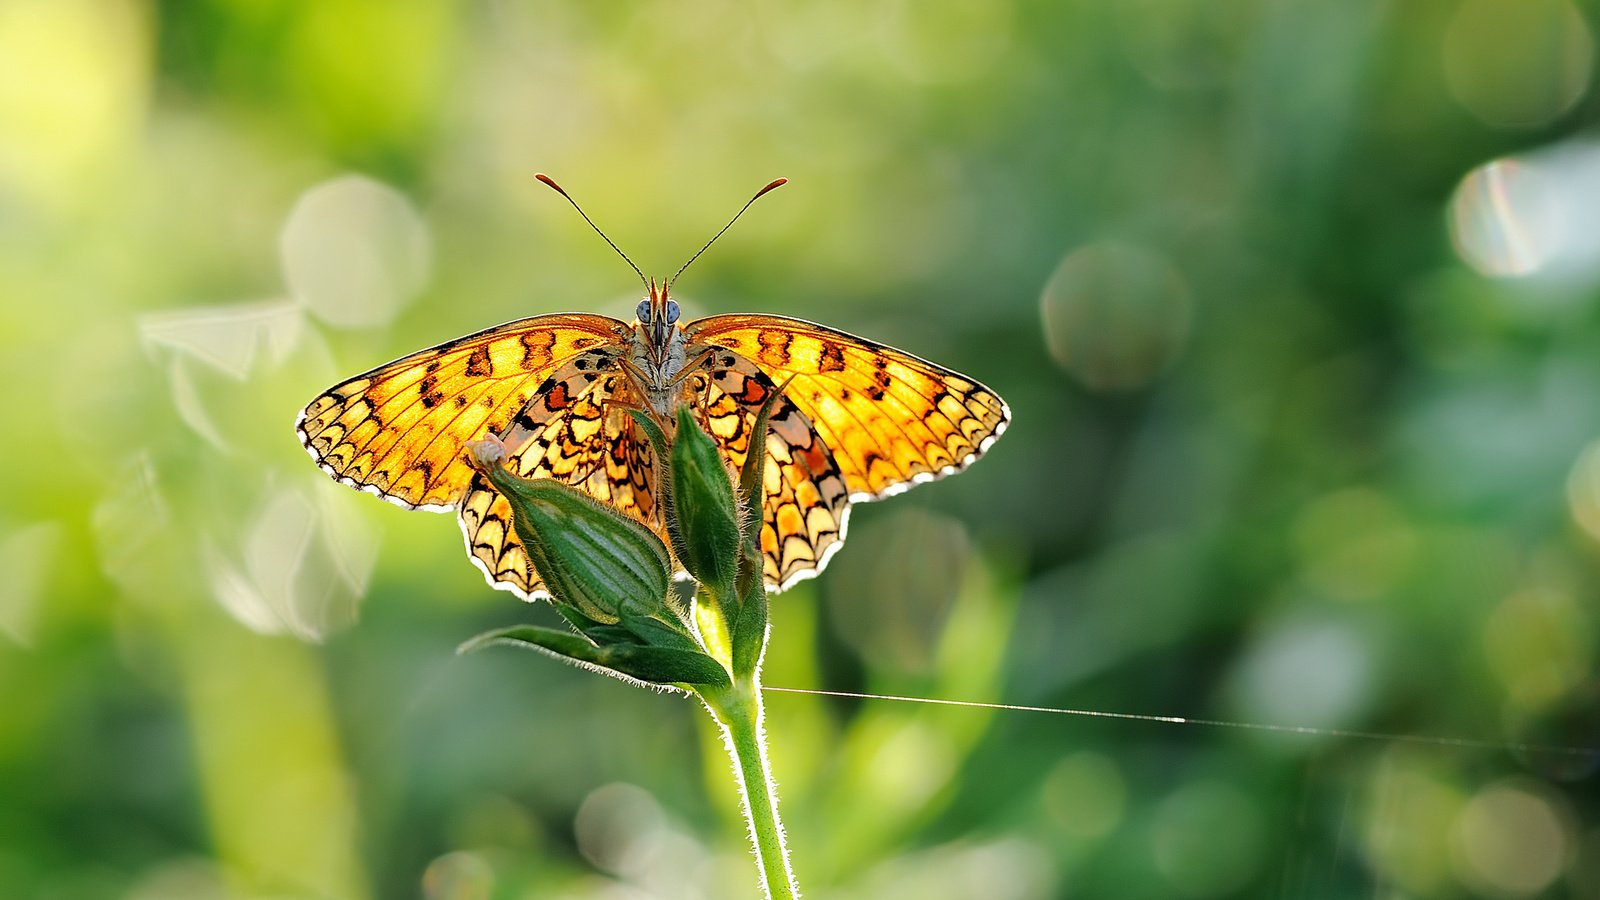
(771, 187)
(557, 188)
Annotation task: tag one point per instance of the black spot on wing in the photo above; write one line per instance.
(537, 347)
(832, 359)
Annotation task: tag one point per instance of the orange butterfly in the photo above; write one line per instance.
(857, 421)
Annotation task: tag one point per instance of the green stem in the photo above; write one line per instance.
(738, 711)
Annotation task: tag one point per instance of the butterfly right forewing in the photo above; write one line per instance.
(890, 419)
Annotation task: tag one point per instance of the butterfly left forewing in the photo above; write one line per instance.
(890, 419)
(397, 431)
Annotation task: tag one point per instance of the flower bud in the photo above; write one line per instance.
(590, 556)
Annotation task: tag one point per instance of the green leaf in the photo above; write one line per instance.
(658, 632)
(610, 634)
(702, 516)
(554, 642)
(631, 662)
(664, 665)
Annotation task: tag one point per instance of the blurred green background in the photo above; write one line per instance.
(1295, 302)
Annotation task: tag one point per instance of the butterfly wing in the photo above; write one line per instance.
(890, 419)
(397, 431)
(806, 504)
(575, 430)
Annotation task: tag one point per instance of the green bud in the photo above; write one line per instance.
(591, 557)
(702, 517)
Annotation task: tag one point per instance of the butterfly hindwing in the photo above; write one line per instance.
(807, 503)
(397, 431)
(575, 431)
(889, 418)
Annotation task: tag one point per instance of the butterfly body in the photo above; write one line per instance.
(857, 421)
(658, 354)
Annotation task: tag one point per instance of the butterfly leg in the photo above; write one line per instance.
(693, 366)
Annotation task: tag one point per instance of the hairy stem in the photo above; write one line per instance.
(738, 711)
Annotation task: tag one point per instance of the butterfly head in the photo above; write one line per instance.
(658, 316)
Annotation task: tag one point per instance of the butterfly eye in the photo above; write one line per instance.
(643, 312)
(672, 311)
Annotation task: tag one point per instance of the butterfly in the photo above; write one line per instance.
(855, 420)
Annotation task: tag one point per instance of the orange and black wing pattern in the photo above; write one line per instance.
(397, 431)
(575, 431)
(806, 503)
(890, 419)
